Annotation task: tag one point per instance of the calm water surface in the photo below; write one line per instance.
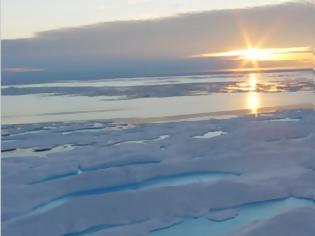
(248, 93)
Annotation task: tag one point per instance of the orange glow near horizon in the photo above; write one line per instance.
(252, 57)
(263, 54)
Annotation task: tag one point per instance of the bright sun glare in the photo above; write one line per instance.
(254, 54)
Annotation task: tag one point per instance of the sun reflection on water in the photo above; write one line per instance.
(253, 99)
(252, 81)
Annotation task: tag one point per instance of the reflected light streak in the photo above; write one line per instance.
(252, 82)
(252, 98)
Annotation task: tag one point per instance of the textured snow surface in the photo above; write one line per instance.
(104, 178)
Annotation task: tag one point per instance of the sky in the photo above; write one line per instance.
(23, 18)
(93, 39)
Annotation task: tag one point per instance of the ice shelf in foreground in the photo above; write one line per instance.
(255, 178)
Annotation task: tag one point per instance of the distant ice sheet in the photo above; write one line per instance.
(159, 98)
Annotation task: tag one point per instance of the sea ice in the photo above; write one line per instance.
(256, 179)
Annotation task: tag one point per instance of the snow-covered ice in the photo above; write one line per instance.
(244, 176)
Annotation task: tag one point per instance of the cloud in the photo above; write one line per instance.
(159, 46)
(22, 69)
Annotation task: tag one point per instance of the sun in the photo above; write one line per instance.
(255, 54)
(252, 56)
(249, 54)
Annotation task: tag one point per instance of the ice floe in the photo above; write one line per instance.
(242, 176)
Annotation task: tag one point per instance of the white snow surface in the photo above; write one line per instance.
(147, 177)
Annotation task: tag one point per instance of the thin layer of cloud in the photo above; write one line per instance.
(22, 69)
